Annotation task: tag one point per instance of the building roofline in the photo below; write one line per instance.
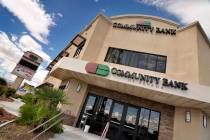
(92, 21)
(83, 30)
(147, 16)
(196, 23)
(109, 19)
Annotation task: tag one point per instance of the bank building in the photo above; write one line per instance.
(148, 76)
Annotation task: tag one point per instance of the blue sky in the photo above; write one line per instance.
(47, 26)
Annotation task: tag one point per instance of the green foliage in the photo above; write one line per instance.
(16, 96)
(1, 111)
(3, 86)
(40, 107)
(3, 90)
(51, 96)
(10, 92)
(28, 114)
(3, 82)
(29, 99)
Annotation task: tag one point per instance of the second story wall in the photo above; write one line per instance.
(203, 59)
(181, 49)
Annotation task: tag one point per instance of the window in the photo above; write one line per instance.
(62, 87)
(28, 65)
(77, 53)
(137, 59)
(154, 124)
(148, 126)
(79, 42)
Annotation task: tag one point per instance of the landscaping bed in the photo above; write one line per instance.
(15, 131)
(3, 98)
(5, 116)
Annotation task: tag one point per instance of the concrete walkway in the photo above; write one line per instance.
(72, 133)
(12, 107)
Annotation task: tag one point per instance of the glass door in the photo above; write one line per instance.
(101, 116)
(88, 111)
(129, 123)
(115, 121)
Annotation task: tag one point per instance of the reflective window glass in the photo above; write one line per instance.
(137, 59)
(154, 123)
(90, 105)
(144, 118)
(117, 112)
(131, 116)
(151, 62)
(161, 61)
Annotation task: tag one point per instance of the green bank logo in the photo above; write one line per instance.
(98, 69)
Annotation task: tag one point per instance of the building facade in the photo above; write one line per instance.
(147, 76)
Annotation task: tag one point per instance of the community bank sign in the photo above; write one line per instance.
(145, 26)
(104, 70)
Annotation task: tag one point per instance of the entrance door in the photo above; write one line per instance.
(123, 122)
(126, 122)
(95, 113)
(88, 111)
(116, 116)
(129, 123)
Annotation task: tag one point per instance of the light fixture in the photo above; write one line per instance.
(205, 120)
(187, 116)
(78, 87)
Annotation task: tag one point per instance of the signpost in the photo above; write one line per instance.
(26, 68)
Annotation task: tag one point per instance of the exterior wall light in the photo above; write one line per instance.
(78, 87)
(205, 121)
(187, 116)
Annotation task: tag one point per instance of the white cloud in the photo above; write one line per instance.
(60, 15)
(11, 52)
(103, 10)
(14, 37)
(32, 14)
(96, 0)
(186, 10)
(51, 48)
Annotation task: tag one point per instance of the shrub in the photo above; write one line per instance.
(3, 90)
(1, 111)
(3, 82)
(16, 96)
(40, 107)
(29, 98)
(28, 113)
(10, 92)
(3, 86)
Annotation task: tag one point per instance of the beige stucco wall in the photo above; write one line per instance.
(50, 79)
(178, 49)
(190, 131)
(94, 44)
(203, 59)
(74, 99)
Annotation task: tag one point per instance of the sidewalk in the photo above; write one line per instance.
(12, 107)
(72, 133)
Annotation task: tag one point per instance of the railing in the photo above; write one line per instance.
(39, 126)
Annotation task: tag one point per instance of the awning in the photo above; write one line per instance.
(197, 96)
